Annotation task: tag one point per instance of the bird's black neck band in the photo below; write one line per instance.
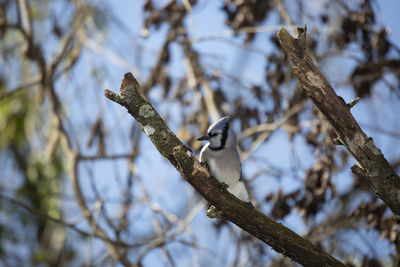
(216, 148)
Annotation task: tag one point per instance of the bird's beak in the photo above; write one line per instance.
(203, 138)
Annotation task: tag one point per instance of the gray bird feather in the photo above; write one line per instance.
(222, 158)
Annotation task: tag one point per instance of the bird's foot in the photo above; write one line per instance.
(224, 185)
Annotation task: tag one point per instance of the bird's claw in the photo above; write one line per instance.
(224, 185)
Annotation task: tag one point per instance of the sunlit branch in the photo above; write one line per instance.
(280, 238)
(372, 165)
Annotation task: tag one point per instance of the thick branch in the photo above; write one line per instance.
(377, 170)
(280, 238)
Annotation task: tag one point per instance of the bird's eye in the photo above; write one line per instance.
(213, 134)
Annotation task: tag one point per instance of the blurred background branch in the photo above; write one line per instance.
(64, 149)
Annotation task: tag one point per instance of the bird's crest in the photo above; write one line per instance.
(222, 124)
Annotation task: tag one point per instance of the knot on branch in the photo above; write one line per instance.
(296, 46)
(359, 172)
(184, 160)
(301, 41)
(214, 213)
(370, 144)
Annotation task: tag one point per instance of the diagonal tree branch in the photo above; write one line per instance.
(280, 238)
(372, 164)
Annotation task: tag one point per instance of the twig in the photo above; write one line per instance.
(269, 127)
(21, 87)
(353, 102)
(282, 10)
(243, 30)
(106, 157)
(23, 6)
(70, 226)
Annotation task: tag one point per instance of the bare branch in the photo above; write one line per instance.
(23, 6)
(378, 171)
(283, 12)
(196, 72)
(61, 222)
(280, 238)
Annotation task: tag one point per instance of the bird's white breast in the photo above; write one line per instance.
(224, 165)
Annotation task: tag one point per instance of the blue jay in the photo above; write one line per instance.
(222, 158)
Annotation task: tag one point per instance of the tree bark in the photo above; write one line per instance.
(280, 238)
(372, 165)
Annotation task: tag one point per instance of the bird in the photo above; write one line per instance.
(222, 158)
